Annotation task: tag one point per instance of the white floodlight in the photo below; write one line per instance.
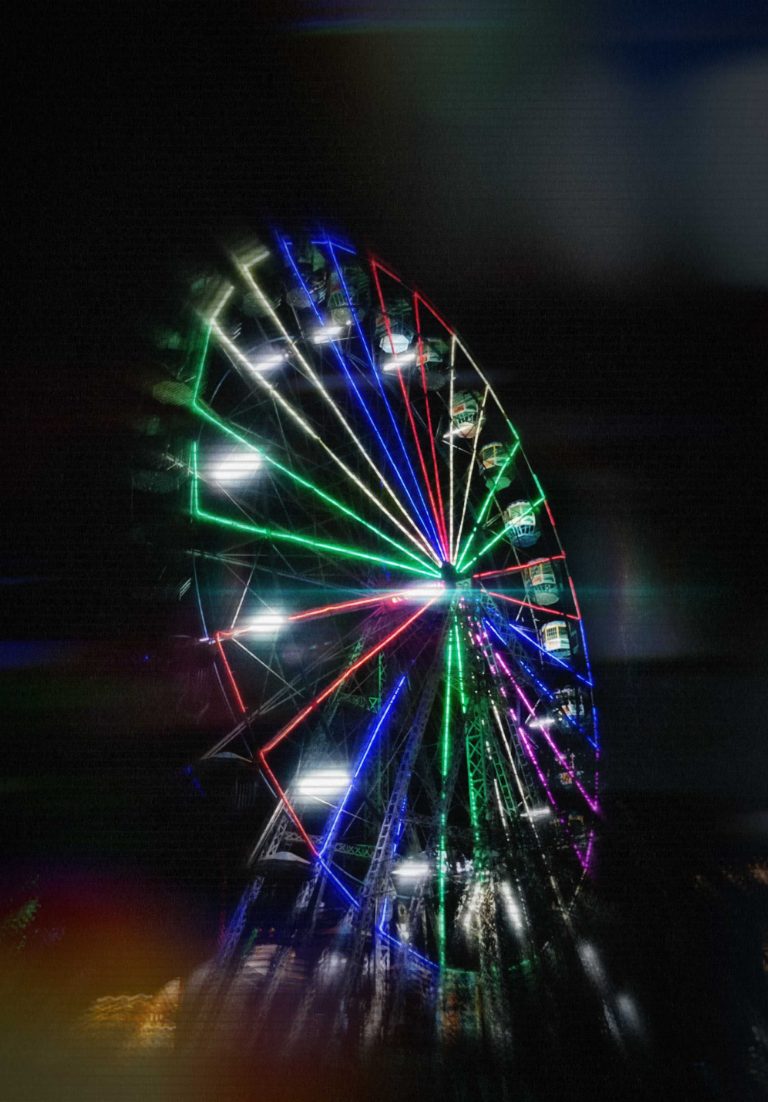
(541, 723)
(266, 361)
(264, 624)
(394, 363)
(514, 913)
(235, 467)
(321, 783)
(413, 870)
(537, 813)
(427, 591)
(327, 333)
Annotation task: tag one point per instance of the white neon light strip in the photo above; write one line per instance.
(310, 374)
(480, 419)
(315, 437)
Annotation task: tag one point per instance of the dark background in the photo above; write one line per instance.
(583, 191)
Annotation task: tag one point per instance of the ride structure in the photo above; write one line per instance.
(396, 635)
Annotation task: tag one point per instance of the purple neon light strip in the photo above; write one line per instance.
(551, 697)
(548, 738)
(534, 761)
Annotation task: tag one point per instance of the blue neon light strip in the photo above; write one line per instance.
(354, 902)
(525, 636)
(382, 391)
(551, 697)
(329, 834)
(335, 245)
(548, 692)
(348, 895)
(285, 246)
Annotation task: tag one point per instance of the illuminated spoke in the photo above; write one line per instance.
(330, 834)
(423, 511)
(409, 409)
(528, 604)
(314, 704)
(430, 427)
(470, 469)
(341, 360)
(546, 735)
(317, 439)
(310, 542)
(305, 483)
(445, 760)
(491, 543)
(484, 508)
(309, 373)
(519, 567)
(451, 451)
(526, 638)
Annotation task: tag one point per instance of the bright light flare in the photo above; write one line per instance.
(234, 467)
(413, 871)
(541, 723)
(263, 625)
(267, 361)
(395, 363)
(512, 907)
(429, 591)
(327, 333)
(322, 783)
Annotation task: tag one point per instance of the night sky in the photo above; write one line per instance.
(581, 190)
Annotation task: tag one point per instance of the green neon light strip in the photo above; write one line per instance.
(201, 365)
(486, 503)
(513, 430)
(474, 814)
(495, 539)
(471, 471)
(338, 549)
(445, 758)
(307, 541)
(418, 539)
(194, 501)
(214, 420)
(460, 664)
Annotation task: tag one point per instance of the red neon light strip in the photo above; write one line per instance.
(230, 675)
(430, 430)
(377, 264)
(573, 594)
(527, 604)
(343, 607)
(404, 389)
(549, 513)
(287, 803)
(312, 612)
(302, 715)
(412, 421)
(435, 314)
(514, 569)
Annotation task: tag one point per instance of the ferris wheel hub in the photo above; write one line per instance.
(450, 577)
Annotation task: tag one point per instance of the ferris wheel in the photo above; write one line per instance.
(391, 619)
